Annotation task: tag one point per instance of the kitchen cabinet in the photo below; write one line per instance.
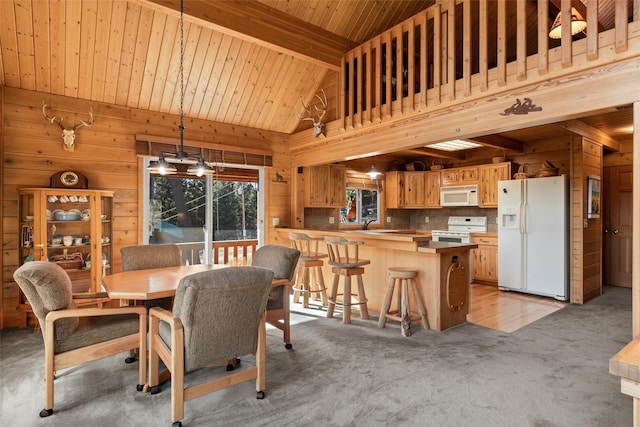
(325, 186)
(414, 189)
(405, 189)
(394, 189)
(69, 227)
(484, 258)
(432, 187)
(459, 176)
(489, 176)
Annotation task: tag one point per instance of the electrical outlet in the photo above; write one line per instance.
(276, 221)
(388, 219)
(332, 220)
(426, 219)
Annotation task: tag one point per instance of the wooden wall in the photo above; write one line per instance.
(586, 234)
(105, 153)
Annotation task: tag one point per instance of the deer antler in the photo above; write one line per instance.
(50, 119)
(325, 103)
(59, 122)
(318, 126)
(88, 123)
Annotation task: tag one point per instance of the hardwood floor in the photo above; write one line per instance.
(489, 307)
(507, 311)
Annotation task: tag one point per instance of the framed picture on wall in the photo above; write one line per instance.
(593, 202)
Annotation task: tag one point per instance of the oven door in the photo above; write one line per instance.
(451, 236)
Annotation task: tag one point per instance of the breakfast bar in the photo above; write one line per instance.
(443, 269)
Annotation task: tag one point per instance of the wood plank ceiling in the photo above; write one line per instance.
(245, 62)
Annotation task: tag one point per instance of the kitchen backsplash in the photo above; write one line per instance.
(411, 219)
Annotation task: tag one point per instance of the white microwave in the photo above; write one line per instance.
(463, 195)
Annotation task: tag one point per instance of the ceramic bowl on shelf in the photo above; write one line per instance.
(28, 218)
(66, 216)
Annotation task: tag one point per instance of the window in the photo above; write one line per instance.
(362, 205)
(196, 212)
(176, 209)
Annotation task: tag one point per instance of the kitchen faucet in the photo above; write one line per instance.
(365, 223)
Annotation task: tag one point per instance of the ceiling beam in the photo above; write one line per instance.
(499, 142)
(581, 128)
(255, 22)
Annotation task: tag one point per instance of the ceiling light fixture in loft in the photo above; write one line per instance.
(163, 166)
(454, 145)
(373, 172)
(578, 24)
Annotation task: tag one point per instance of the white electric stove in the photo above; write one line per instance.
(460, 229)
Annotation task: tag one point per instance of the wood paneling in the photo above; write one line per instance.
(105, 153)
(243, 61)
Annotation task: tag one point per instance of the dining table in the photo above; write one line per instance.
(153, 283)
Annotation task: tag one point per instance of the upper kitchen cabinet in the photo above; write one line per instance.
(406, 189)
(432, 196)
(414, 189)
(325, 186)
(394, 189)
(489, 176)
(459, 176)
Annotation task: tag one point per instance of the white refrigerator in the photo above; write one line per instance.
(533, 255)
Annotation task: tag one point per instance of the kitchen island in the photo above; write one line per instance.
(443, 269)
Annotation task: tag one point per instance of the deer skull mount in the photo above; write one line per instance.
(68, 135)
(318, 126)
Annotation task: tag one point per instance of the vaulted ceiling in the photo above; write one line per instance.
(245, 62)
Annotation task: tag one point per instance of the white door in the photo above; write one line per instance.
(545, 231)
(510, 256)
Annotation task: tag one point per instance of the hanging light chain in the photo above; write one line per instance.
(181, 71)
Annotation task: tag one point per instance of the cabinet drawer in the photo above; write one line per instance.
(485, 240)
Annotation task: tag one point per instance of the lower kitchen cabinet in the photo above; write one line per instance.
(485, 259)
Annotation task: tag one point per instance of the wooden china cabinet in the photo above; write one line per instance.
(69, 227)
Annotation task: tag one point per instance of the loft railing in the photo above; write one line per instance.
(458, 49)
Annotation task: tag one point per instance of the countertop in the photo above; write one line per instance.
(437, 247)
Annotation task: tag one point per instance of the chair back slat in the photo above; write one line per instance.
(343, 251)
(308, 246)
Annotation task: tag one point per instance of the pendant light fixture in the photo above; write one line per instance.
(373, 172)
(578, 24)
(163, 166)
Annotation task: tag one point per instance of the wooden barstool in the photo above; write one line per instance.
(344, 260)
(403, 277)
(310, 280)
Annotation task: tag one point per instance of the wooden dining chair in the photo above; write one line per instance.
(217, 315)
(282, 261)
(73, 336)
